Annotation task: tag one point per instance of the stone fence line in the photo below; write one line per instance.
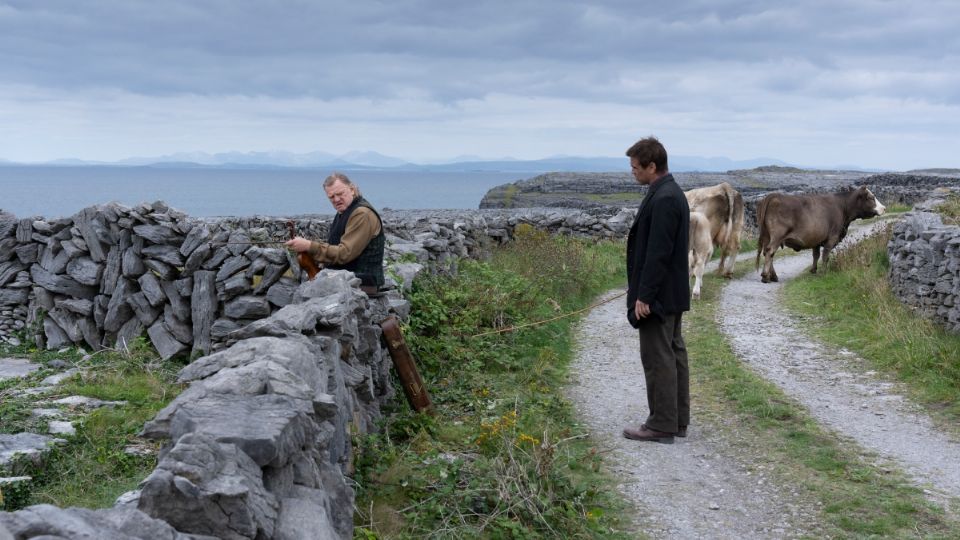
(258, 445)
(110, 273)
(924, 255)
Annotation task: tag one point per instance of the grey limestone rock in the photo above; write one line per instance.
(158, 234)
(163, 340)
(231, 266)
(80, 306)
(118, 308)
(296, 319)
(9, 270)
(54, 262)
(282, 292)
(203, 309)
(131, 264)
(247, 307)
(197, 236)
(112, 271)
(146, 312)
(196, 258)
(60, 284)
(85, 271)
(165, 253)
(217, 258)
(27, 253)
(181, 330)
(129, 332)
(163, 270)
(14, 297)
(44, 521)
(56, 337)
(151, 289)
(202, 486)
(31, 447)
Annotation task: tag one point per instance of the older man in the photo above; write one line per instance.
(356, 239)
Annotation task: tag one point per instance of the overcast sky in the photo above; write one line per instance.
(873, 83)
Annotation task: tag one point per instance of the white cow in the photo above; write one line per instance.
(701, 248)
(723, 207)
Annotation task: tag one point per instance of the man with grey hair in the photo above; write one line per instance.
(356, 239)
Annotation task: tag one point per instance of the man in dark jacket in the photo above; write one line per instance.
(659, 293)
(356, 239)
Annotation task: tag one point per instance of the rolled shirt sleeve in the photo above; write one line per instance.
(362, 227)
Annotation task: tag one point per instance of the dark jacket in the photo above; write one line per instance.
(657, 267)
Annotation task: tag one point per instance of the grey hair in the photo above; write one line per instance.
(343, 178)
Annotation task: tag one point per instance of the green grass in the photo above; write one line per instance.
(851, 306)
(858, 499)
(503, 456)
(92, 469)
(950, 209)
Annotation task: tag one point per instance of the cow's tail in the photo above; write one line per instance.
(731, 209)
(762, 233)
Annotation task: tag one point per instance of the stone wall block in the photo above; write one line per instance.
(67, 322)
(118, 308)
(162, 270)
(60, 284)
(85, 271)
(203, 309)
(233, 286)
(27, 253)
(9, 271)
(164, 342)
(202, 486)
(143, 309)
(111, 271)
(6, 248)
(158, 234)
(131, 264)
(55, 263)
(231, 266)
(128, 333)
(197, 236)
(180, 304)
(216, 259)
(181, 330)
(196, 258)
(282, 292)
(24, 230)
(247, 307)
(150, 286)
(55, 337)
(165, 253)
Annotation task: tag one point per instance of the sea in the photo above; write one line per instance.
(58, 191)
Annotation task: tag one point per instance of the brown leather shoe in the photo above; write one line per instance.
(681, 432)
(643, 433)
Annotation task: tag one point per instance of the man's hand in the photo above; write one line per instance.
(298, 244)
(641, 310)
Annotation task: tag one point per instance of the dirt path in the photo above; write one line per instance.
(833, 384)
(710, 485)
(703, 486)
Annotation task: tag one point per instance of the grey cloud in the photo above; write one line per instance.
(456, 50)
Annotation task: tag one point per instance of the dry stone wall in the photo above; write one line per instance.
(111, 273)
(924, 255)
(258, 445)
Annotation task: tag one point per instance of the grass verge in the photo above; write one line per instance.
(501, 458)
(92, 468)
(857, 499)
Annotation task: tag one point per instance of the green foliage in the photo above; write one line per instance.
(501, 457)
(950, 209)
(853, 307)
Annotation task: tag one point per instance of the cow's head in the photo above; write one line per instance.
(866, 204)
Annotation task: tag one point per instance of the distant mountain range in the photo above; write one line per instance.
(374, 161)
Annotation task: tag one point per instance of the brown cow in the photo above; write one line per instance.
(809, 221)
(723, 207)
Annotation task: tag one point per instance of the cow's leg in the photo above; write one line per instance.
(729, 252)
(826, 255)
(700, 260)
(723, 260)
(769, 274)
(816, 255)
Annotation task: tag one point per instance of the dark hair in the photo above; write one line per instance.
(648, 151)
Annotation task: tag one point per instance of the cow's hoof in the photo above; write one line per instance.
(728, 275)
(774, 278)
(763, 279)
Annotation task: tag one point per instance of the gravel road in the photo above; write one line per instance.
(711, 485)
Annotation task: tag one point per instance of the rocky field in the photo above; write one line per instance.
(606, 190)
